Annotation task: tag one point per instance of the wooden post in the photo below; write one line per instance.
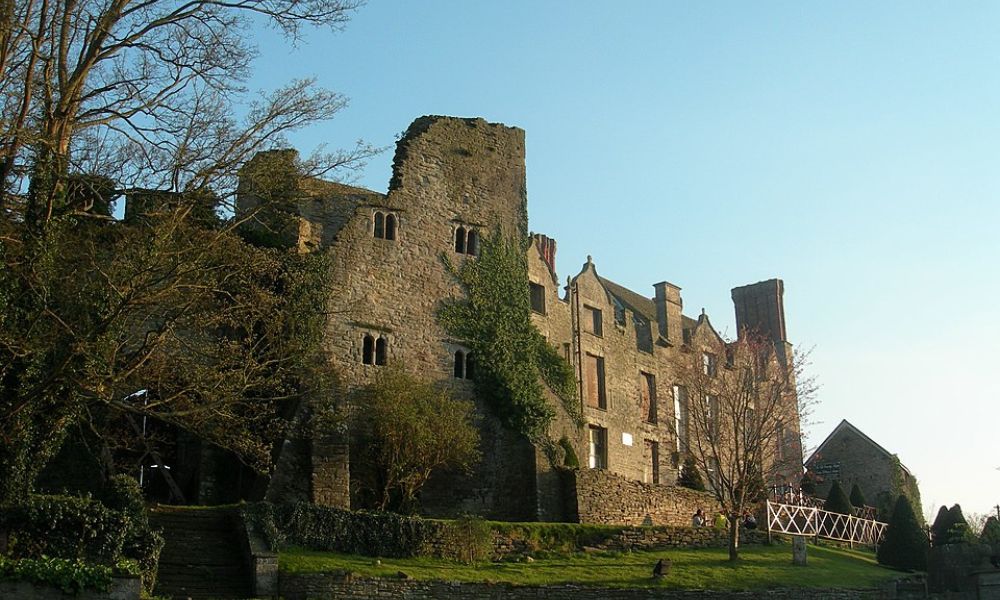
(799, 551)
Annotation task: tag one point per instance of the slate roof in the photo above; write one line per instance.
(635, 302)
(844, 425)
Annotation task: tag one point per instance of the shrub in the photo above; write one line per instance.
(808, 484)
(991, 534)
(64, 527)
(940, 526)
(71, 576)
(837, 501)
(958, 530)
(690, 477)
(326, 528)
(905, 545)
(122, 493)
(857, 497)
(570, 459)
(468, 539)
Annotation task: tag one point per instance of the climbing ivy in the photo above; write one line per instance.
(512, 357)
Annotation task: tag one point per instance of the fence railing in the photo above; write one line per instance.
(796, 519)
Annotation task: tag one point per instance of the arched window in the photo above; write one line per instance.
(380, 351)
(368, 350)
(472, 245)
(459, 364)
(469, 371)
(379, 225)
(390, 226)
(460, 240)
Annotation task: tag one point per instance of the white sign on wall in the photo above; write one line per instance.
(626, 438)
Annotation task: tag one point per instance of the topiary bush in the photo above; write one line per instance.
(905, 544)
(990, 534)
(690, 477)
(837, 501)
(570, 458)
(940, 526)
(958, 530)
(857, 497)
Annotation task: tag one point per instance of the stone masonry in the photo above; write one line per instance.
(454, 181)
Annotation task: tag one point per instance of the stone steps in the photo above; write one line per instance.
(202, 557)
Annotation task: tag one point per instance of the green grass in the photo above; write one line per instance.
(760, 567)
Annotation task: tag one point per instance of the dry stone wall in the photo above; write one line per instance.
(607, 498)
(342, 585)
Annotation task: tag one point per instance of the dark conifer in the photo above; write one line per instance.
(837, 501)
(905, 545)
(690, 477)
(940, 526)
(857, 497)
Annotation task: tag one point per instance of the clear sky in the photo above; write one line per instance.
(850, 148)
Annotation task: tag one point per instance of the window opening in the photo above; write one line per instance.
(598, 438)
(379, 225)
(368, 350)
(390, 226)
(380, 351)
(537, 297)
(460, 240)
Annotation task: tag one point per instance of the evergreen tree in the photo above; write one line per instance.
(940, 526)
(857, 497)
(690, 477)
(905, 545)
(837, 501)
(958, 528)
(991, 534)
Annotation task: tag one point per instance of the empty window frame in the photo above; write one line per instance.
(464, 365)
(596, 390)
(709, 364)
(593, 320)
(647, 397)
(712, 415)
(598, 443)
(384, 225)
(373, 350)
(537, 293)
(651, 473)
(466, 240)
(681, 418)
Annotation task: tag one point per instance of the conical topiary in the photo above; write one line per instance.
(958, 528)
(940, 526)
(690, 477)
(991, 534)
(837, 501)
(857, 498)
(905, 545)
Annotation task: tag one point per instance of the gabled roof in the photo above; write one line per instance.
(637, 303)
(846, 426)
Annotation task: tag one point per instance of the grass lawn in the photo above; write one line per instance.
(702, 568)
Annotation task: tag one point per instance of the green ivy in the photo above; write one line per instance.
(512, 357)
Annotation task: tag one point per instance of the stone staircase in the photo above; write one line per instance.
(203, 556)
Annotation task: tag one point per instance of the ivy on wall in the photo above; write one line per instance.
(512, 357)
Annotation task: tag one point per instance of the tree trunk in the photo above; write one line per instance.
(734, 538)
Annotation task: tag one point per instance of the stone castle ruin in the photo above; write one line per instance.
(455, 180)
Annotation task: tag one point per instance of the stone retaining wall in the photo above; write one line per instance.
(600, 496)
(122, 588)
(343, 586)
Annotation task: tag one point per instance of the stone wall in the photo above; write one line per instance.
(600, 496)
(122, 588)
(340, 585)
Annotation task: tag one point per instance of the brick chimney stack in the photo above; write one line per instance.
(547, 248)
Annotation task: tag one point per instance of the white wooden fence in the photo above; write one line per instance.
(796, 519)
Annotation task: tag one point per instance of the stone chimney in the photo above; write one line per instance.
(668, 312)
(547, 248)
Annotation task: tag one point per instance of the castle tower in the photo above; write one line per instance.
(760, 309)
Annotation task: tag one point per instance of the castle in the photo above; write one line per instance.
(453, 181)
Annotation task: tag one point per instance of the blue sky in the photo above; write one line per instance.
(849, 148)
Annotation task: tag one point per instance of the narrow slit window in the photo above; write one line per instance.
(390, 226)
(379, 225)
(469, 366)
(472, 244)
(380, 351)
(460, 240)
(368, 350)
(459, 364)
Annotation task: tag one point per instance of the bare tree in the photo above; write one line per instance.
(143, 91)
(740, 420)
